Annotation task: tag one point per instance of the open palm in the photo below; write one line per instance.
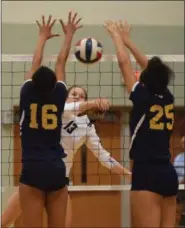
(45, 29)
(72, 24)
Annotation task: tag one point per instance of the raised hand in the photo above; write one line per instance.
(112, 28)
(72, 24)
(102, 104)
(45, 28)
(125, 29)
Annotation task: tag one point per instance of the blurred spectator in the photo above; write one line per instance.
(180, 167)
(179, 163)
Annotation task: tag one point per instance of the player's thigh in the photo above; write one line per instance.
(168, 212)
(68, 221)
(12, 211)
(145, 209)
(32, 202)
(56, 205)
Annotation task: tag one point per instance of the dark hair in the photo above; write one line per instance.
(44, 80)
(72, 87)
(156, 76)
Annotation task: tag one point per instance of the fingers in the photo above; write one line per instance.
(53, 22)
(39, 25)
(62, 24)
(43, 20)
(69, 17)
(105, 105)
(48, 24)
(110, 26)
(73, 23)
(55, 35)
(74, 17)
(102, 104)
(80, 26)
(125, 26)
(49, 20)
(76, 23)
(118, 26)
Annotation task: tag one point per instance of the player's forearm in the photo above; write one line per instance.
(64, 53)
(87, 105)
(117, 168)
(138, 55)
(124, 62)
(122, 54)
(120, 170)
(110, 163)
(37, 56)
(62, 57)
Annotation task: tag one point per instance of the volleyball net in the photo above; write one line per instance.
(102, 79)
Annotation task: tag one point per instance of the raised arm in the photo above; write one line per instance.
(94, 144)
(44, 34)
(100, 104)
(125, 30)
(122, 55)
(83, 107)
(69, 30)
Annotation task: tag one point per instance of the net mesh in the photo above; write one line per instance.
(101, 80)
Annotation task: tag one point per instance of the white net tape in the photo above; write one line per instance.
(72, 58)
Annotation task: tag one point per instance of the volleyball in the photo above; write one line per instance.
(88, 50)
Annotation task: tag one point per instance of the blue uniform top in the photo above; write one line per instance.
(151, 124)
(41, 122)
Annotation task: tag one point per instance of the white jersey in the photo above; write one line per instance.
(78, 130)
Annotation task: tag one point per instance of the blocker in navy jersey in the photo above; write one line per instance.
(40, 126)
(151, 124)
(41, 122)
(88, 50)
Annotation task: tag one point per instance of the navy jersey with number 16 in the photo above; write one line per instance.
(151, 124)
(40, 122)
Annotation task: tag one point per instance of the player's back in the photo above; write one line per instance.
(151, 124)
(40, 122)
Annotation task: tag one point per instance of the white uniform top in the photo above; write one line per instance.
(76, 131)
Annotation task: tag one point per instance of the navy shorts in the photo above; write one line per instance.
(158, 177)
(44, 175)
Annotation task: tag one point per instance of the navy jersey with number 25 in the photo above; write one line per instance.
(40, 122)
(151, 124)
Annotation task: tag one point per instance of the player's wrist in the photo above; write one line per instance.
(115, 36)
(42, 39)
(69, 35)
(127, 41)
(92, 104)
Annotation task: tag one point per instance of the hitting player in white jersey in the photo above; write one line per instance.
(76, 131)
